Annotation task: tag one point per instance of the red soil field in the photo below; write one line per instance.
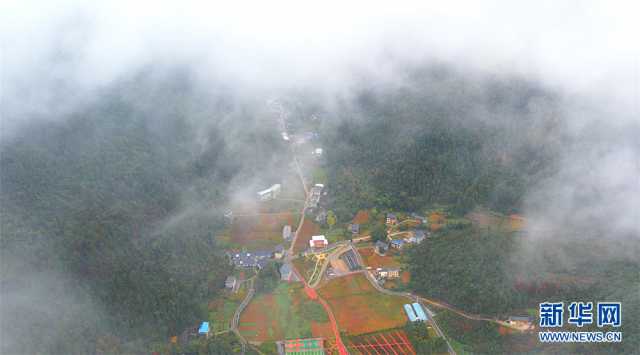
(308, 229)
(391, 342)
(255, 323)
(361, 217)
(374, 260)
(359, 308)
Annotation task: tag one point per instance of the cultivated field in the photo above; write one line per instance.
(359, 308)
(374, 260)
(388, 342)
(284, 314)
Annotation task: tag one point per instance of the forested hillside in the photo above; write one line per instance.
(108, 215)
(440, 137)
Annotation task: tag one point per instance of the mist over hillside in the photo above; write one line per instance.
(126, 134)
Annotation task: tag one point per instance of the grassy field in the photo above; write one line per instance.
(285, 313)
(222, 308)
(259, 232)
(359, 308)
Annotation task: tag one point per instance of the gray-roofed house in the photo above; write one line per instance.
(381, 247)
(355, 228)
(286, 233)
(391, 219)
(230, 282)
(285, 272)
(250, 259)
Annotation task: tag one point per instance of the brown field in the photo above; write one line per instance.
(260, 232)
(486, 219)
(359, 308)
(374, 260)
(308, 229)
(361, 217)
(282, 314)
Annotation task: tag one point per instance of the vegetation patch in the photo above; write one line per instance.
(285, 313)
(260, 231)
(359, 308)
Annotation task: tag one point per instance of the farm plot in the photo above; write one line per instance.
(359, 308)
(259, 231)
(391, 342)
(284, 314)
(308, 229)
(374, 260)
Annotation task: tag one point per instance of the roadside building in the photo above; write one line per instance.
(321, 217)
(420, 313)
(286, 233)
(388, 273)
(279, 252)
(285, 272)
(317, 152)
(230, 282)
(397, 244)
(270, 193)
(354, 228)
(381, 247)
(204, 329)
(391, 219)
(411, 314)
(349, 257)
(318, 242)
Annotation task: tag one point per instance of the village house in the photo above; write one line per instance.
(317, 152)
(391, 219)
(286, 272)
(316, 193)
(318, 241)
(418, 236)
(279, 252)
(270, 193)
(381, 247)
(286, 233)
(388, 273)
(354, 228)
(230, 282)
(397, 244)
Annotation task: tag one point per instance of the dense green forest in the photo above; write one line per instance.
(440, 137)
(108, 215)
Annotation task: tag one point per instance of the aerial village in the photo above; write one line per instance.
(301, 282)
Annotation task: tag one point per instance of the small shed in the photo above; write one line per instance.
(204, 329)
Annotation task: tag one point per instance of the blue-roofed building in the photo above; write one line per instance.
(410, 313)
(204, 329)
(397, 243)
(420, 312)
